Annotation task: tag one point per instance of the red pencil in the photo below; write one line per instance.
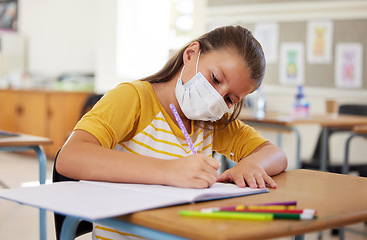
(294, 211)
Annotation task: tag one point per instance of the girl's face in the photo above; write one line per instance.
(226, 72)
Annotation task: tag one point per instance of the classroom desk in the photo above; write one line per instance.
(339, 201)
(278, 122)
(24, 142)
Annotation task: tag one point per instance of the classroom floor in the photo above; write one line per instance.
(19, 222)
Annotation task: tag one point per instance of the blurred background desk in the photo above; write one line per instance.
(23, 142)
(339, 122)
(283, 123)
(280, 123)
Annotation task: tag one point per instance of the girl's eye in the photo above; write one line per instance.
(229, 100)
(215, 79)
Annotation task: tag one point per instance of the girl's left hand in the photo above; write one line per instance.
(247, 172)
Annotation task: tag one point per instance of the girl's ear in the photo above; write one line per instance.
(191, 52)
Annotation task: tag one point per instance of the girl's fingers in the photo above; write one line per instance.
(269, 181)
(241, 182)
(260, 181)
(212, 162)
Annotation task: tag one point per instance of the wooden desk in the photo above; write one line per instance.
(276, 121)
(339, 200)
(24, 142)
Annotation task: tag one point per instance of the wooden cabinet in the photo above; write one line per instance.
(42, 113)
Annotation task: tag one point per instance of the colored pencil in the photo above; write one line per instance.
(293, 211)
(250, 207)
(247, 215)
(229, 215)
(287, 203)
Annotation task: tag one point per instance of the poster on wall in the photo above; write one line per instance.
(319, 42)
(268, 36)
(348, 65)
(292, 64)
(9, 15)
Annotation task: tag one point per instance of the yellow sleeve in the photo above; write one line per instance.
(237, 140)
(113, 118)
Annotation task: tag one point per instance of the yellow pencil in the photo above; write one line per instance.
(229, 215)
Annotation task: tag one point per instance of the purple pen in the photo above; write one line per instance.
(182, 127)
(288, 203)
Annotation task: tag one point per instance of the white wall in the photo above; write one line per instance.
(106, 77)
(60, 34)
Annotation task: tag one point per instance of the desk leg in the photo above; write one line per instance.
(43, 229)
(69, 227)
(299, 237)
(298, 140)
(42, 163)
(324, 149)
(341, 233)
(298, 153)
(280, 139)
(42, 178)
(345, 168)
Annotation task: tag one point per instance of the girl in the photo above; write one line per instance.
(131, 134)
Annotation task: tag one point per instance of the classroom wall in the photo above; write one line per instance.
(292, 16)
(66, 35)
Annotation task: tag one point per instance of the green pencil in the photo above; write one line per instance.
(295, 216)
(248, 215)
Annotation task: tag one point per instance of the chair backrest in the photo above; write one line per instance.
(353, 109)
(91, 101)
(84, 226)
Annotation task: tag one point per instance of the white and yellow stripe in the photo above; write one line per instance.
(157, 140)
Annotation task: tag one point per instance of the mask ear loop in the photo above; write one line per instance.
(182, 72)
(197, 62)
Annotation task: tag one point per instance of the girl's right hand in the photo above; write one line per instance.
(194, 171)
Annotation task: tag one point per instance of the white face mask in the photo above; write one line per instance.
(198, 99)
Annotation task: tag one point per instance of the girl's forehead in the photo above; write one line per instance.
(232, 68)
(227, 57)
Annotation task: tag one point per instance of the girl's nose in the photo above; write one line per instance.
(222, 90)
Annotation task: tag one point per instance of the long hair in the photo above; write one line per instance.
(229, 37)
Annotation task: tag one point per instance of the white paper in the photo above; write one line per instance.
(218, 190)
(98, 200)
(292, 64)
(348, 65)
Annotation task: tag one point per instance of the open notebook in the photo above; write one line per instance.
(91, 200)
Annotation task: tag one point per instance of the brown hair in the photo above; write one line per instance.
(234, 37)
